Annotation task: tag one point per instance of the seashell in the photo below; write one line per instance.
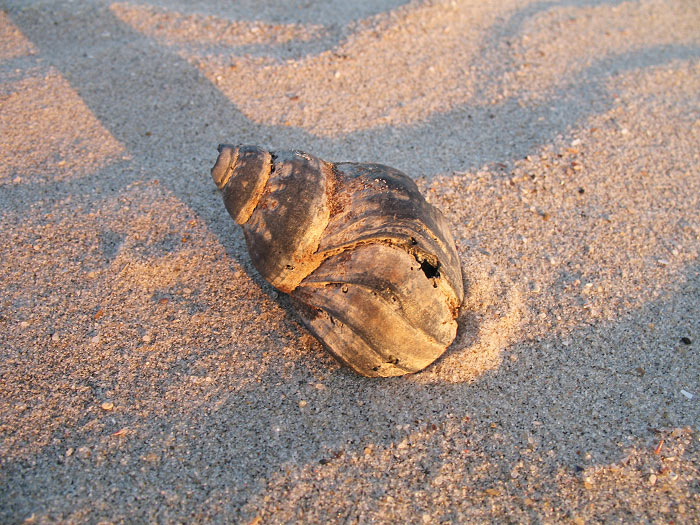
(370, 264)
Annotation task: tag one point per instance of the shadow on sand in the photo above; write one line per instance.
(217, 454)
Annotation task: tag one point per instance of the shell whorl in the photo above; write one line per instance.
(281, 202)
(241, 173)
(369, 262)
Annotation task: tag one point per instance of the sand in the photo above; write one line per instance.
(148, 373)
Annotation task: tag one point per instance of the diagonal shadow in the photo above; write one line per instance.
(509, 131)
(337, 22)
(283, 11)
(484, 133)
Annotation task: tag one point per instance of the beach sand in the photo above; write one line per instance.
(149, 374)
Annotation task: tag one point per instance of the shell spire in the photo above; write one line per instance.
(241, 173)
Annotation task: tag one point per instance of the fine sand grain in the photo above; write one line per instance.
(148, 373)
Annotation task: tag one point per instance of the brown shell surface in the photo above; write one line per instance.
(252, 167)
(371, 265)
(375, 203)
(285, 229)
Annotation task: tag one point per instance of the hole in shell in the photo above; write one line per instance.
(429, 270)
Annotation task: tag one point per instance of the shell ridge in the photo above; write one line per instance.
(327, 170)
(420, 254)
(407, 327)
(364, 267)
(322, 284)
(241, 173)
(284, 240)
(384, 357)
(248, 210)
(323, 338)
(420, 218)
(337, 314)
(229, 170)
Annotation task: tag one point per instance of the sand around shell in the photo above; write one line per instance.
(148, 372)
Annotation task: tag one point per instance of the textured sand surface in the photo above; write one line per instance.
(148, 374)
